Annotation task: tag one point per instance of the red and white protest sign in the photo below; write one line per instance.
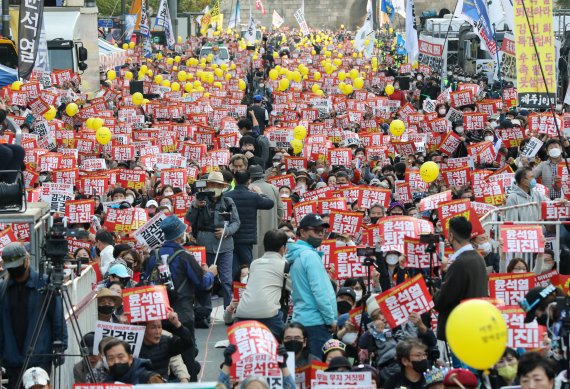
(7, 236)
(432, 202)
(510, 287)
(345, 222)
(79, 211)
(552, 210)
(146, 303)
(521, 334)
(340, 157)
(177, 178)
(238, 289)
(370, 196)
(398, 302)
(522, 239)
(416, 254)
(347, 263)
(392, 230)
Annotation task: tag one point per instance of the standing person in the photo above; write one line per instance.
(267, 220)
(248, 199)
(548, 170)
(20, 305)
(260, 113)
(313, 294)
(524, 192)
(207, 220)
(104, 242)
(262, 296)
(466, 277)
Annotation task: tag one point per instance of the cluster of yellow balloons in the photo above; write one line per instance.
(346, 89)
(94, 123)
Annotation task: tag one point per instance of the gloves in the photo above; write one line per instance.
(282, 352)
(228, 352)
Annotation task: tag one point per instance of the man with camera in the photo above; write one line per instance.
(214, 220)
(21, 299)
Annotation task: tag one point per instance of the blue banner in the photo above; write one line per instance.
(400, 45)
(475, 11)
(388, 8)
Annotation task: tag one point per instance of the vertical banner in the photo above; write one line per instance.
(163, 20)
(249, 35)
(531, 87)
(411, 32)
(145, 32)
(433, 53)
(300, 16)
(277, 20)
(235, 18)
(29, 31)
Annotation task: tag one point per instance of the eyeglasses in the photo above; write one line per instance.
(419, 355)
(317, 230)
(289, 338)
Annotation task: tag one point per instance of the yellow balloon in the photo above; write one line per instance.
(320, 92)
(169, 61)
(143, 68)
(159, 56)
(219, 72)
(97, 123)
(182, 76)
(358, 83)
(71, 109)
(50, 114)
(188, 87)
(177, 59)
(283, 84)
(125, 46)
(242, 85)
(111, 75)
(273, 74)
(478, 343)
(429, 171)
(224, 66)
(103, 135)
(145, 101)
(131, 45)
(315, 88)
(389, 90)
(89, 123)
(297, 146)
(137, 98)
(341, 75)
(174, 68)
(128, 76)
(397, 127)
(165, 83)
(218, 85)
(175, 86)
(158, 79)
(197, 84)
(354, 74)
(233, 66)
(179, 39)
(297, 76)
(317, 76)
(228, 76)
(313, 52)
(300, 132)
(348, 89)
(149, 73)
(16, 85)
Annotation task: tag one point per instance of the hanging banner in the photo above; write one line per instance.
(300, 16)
(277, 20)
(531, 87)
(145, 31)
(29, 31)
(433, 53)
(163, 20)
(249, 35)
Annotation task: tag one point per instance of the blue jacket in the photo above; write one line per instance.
(314, 299)
(247, 204)
(53, 329)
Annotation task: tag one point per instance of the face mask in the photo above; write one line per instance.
(489, 138)
(392, 259)
(168, 193)
(284, 195)
(546, 267)
(119, 369)
(340, 243)
(532, 183)
(554, 153)
(217, 192)
(486, 247)
(105, 309)
(17, 272)
(343, 307)
(320, 170)
(442, 111)
(349, 338)
(276, 163)
(130, 200)
(261, 85)
(315, 242)
(542, 319)
(358, 295)
(374, 219)
(419, 78)
(459, 130)
(508, 372)
(244, 279)
(294, 346)
(420, 366)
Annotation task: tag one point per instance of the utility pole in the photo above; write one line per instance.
(123, 21)
(173, 8)
(6, 18)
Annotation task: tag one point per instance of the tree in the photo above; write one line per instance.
(113, 7)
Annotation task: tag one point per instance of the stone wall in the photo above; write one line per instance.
(321, 13)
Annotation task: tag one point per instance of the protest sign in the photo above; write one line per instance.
(238, 289)
(146, 303)
(132, 334)
(79, 211)
(521, 334)
(345, 222)
(150, 233)
(510, 287)
(323, 379)
(522, 239)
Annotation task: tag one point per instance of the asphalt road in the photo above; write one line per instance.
(210, 357)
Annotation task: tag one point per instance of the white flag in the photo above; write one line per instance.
(366, 31)
(163, 20)
(235, 18)
(42, 59)
(300, 16)
(250, 32)
(145, 31)
(411, 32)
(277, 19)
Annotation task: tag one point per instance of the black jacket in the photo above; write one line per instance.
(247, 204)
(139, 373)
(168, 347)
(466, 279)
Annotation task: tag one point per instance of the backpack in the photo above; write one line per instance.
(285, 294)
(155, 277)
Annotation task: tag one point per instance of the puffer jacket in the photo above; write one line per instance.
(247, 204)
(518, 197)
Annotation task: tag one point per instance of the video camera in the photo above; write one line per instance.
(202, 193)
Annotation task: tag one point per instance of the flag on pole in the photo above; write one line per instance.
(259, 6)
(477, 15)
(300, 17)
(366, 31)
(412, 46)
(163, 20)
(145, 31)
(235, 18)
(249, 35)
(29, 30)
(215, 13)
(42, 60)
(400, 45)
(277, 20)
(388, 8)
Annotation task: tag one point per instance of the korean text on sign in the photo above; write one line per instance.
(146, 303)
(511, 287)
(522, 239)
(521, 334)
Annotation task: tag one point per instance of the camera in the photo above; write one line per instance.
(430, 238)
(365, 251)
(202, 194)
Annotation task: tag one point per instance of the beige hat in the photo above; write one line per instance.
(372, 304)
(106, 292)
(216, 177)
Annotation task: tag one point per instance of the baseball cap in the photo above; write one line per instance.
(35, 376)
(346, 291)
(312, 220)
(119, 270)
(151, 203)
(14, 255)
(257, 98)
(333, 344)
(533, 298)
(88, 341)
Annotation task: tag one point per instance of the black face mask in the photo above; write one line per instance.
(315, 242)
(17, 272)
(98, 252)
(542, 319)
(119, 370)
(374, 219)
(420, 366)
(105, 309)
(343, 306)
(294, 346)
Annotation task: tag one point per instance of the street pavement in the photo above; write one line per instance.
(210, 357)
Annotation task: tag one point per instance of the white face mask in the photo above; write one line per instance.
(284, 195)
(554, 152)
(519, 271)
(244, 279)
(392, 259)
(130, 199)
(486, 247)
(442, 111)
(340, 243)
(320, 170)
(218, 191)
(546, 267)
(349, 338)
(276, 163)
(358, 295)
(489, 138)
(459, 130)
(168, 193)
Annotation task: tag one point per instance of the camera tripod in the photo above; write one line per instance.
(55, 288)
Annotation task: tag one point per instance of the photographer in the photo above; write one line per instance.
(210, 211)
(20, 302)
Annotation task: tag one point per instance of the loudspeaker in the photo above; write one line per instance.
(136, 86)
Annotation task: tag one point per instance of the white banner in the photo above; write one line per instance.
(250, 32)
(163, 20)
(131, 334)
(277, 19)
(300, 16)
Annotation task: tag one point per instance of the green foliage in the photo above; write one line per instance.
(113, 7)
